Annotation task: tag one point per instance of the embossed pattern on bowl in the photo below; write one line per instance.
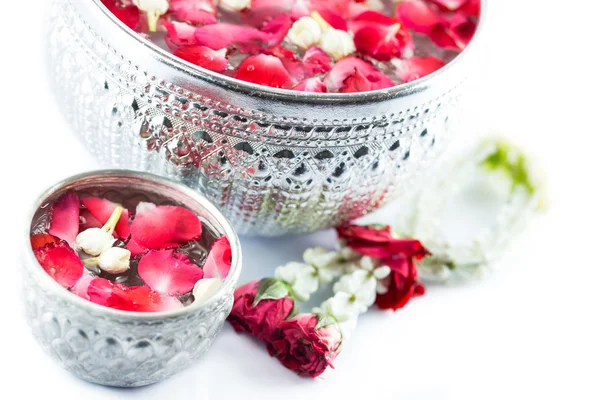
(273, 161)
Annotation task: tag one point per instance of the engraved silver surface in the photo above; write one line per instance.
(273, 161)
(113, 347)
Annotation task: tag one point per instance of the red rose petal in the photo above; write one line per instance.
(194, 11)
(462, 29)
(471, 8)
(316, 61)
(135, 248)
(277, 29)
(370, 18)
(293, 65)
(218, 262)
(102, 209)
(450, 5)
(383, 42)
(158, 227)
(314, 85)
(87, 221)
(352, 73)
(204, 57)
(179, 34)
(129, 15)
(265, 70)
(418, 15)
(417, 67)
(222, 35)
(61, 262)
(136, 298)
(39, 241)
(82, 286)
(335, 20)
(169, 273)
(65, 218)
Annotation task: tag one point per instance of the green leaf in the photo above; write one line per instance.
(270, 289)
(513, 163)
(325, 320)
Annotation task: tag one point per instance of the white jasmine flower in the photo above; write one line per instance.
(235, 5)
(361, 286)
(94, 241)
(302, 278)
(114, 260)
(376, 5)
(304, 33)
(205, 288)
(325, 262)
(341, 307)
(337, 43)
(153, 9)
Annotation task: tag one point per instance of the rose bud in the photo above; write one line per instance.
(307, 344)
(259, 306)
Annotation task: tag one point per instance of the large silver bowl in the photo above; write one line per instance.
(274, 161)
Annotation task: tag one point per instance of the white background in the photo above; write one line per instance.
(530, 330)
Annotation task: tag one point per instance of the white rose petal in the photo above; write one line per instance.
(235, 5)
(337, 43)
(205, 288)
(304, 33)
(114, 260)
(94, 241)
(302, 278)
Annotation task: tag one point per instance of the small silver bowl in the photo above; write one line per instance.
(273, 161)
(119, 348)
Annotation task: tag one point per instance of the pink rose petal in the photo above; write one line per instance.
(277, 29)
(316, 61)
(450, 5)
(65, 218)
(87, 221)
(383, 42)
(218, 262)
(179, 34)
(264, 70)
(417, 67)
(61, 262)
(135, 298)
(462, 29)
(194, 11)
(293, 65)
(314, 85)
(158, 227)
(82, 286)
(222, 35)
(102, 210)
(332, 18)
(353, 74)
(418, 15)
(169, 273)
(135, 248)
(370, 18)
(203, 56)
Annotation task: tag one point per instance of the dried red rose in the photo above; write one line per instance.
(305, 346)
(399, 254)
(259, 307)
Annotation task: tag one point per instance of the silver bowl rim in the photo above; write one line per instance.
(197, 72)
(49, 283)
